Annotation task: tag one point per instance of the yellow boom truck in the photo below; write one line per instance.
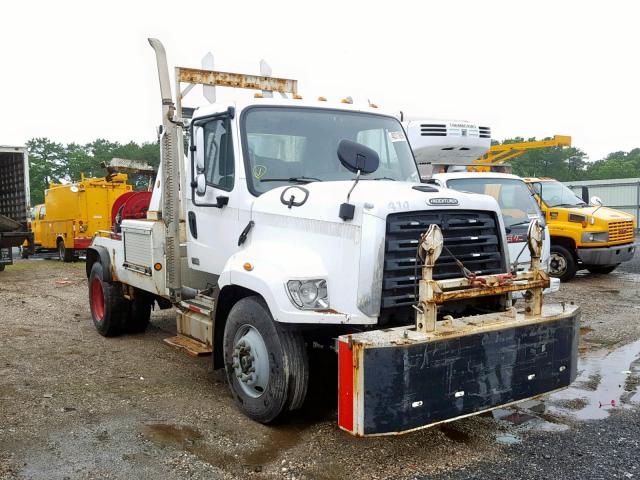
(584, 234)
(72, 213)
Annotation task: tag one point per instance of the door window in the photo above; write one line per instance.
(218, 154)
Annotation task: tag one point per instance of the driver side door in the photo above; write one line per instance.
(212, 219)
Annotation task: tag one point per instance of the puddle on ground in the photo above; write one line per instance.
(606, 380)
(507, 439)
(167, 435)
(276, 441)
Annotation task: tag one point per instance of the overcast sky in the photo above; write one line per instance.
(75, 71)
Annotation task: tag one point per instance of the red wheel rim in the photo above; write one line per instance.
(97, 300)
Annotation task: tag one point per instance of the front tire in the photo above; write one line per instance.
(108, 307)
(602, 269)
(562, 263)
(266, 364)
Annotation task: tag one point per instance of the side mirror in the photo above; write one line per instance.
(357, 157)
(201, 185)
(585, 194)
(597, 201)
(199, 154)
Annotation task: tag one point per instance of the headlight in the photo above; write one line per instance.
(596, 237)
(308, 294)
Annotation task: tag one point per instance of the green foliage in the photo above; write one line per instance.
(616, 165)
(51, 162)
(567, 164)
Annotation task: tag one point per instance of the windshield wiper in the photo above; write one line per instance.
(384, 178)
(517, 224)
(569, 205)
(523, 222)
(292, 179)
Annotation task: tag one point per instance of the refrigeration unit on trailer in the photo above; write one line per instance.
(292, 224)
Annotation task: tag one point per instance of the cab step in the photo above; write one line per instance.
(191, 347)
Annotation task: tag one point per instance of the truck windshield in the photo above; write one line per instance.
(555, 194)
(516, 203)
(299, 145)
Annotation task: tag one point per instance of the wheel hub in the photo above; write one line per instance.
(557, 264)
(250, 361)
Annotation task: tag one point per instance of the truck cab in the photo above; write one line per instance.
(584, 235)
(296, 224)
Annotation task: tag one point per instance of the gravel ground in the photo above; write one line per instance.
(76, 405)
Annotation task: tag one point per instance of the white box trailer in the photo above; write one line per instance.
(15, 209)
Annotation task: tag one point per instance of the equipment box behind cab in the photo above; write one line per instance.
(396, 380)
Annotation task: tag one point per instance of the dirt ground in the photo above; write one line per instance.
(79, 406)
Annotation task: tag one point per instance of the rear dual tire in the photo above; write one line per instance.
(266, 364)
(113, 314)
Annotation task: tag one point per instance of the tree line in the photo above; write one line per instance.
(52, 162)
(571, 163)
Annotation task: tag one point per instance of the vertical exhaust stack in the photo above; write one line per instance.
(170, 139)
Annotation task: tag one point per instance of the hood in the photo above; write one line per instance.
(322, 200)
(603, 213)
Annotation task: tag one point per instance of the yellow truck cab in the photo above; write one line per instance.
(72, 213)
(583, 235)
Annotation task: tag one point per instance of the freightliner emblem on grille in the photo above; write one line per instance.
(442, 201)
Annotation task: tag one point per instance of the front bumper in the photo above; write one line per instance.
(607, 255)
(398, 380)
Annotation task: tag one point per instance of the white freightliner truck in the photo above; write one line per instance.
(294, 223)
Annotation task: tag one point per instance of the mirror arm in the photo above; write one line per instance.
(347, 210)
(357, 179)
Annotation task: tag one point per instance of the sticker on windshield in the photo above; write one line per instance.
(397, 137)
(259, 171)
(532, 216)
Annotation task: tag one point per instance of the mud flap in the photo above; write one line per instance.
(391, 382)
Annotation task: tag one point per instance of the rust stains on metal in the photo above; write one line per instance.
(236, 80)
(329, 311)
(447, 296)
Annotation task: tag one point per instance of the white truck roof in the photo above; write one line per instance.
(456, 175)
(289, 102)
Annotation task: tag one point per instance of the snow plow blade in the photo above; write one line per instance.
(397, 380)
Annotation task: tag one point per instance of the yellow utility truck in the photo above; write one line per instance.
(72, 213)
(584, 234)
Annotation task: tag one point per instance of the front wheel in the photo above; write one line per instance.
(562, 263)
(266, 364)
(602, 269)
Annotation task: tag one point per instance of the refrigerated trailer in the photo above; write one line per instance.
(294, 224)
(14, 202)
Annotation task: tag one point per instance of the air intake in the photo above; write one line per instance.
(433, 130)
